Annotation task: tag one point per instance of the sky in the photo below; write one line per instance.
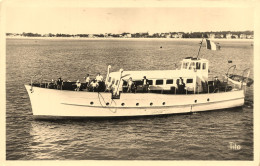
(91, 20)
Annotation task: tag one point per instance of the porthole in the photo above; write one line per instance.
(195, 101)
(208, 99)
(163, 103)
(151, 104)
(107, 103)
(137, 104)
(91, 102)
(122, 104)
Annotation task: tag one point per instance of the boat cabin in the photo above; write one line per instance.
(193, 71)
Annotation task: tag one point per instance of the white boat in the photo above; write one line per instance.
(163, 95)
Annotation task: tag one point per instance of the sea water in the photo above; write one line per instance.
(217, 135)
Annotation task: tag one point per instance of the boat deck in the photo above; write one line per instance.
(71, 86)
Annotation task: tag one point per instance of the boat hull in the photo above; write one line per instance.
(51, 103)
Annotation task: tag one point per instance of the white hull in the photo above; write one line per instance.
(50, 103)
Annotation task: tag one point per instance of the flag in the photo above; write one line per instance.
(211, 45)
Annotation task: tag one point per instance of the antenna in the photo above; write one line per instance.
(200, 47)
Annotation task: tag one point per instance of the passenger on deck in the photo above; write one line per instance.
(129, 85)
(78, 84)
(216, 84)
(87, 80)
(99, 78)
(59, 83)
(180, 85)
(145, 84)
(51, 84)
(109, 87)
(94, 86)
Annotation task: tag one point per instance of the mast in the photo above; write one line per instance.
(200, 47)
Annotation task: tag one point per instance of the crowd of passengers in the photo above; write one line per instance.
(98, 85)
(93, 85)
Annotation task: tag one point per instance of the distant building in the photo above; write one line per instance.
(162, 35)
(167, 35)
(250, 36)
(228, 36)
(211, 35)
(234, 36)
(176, 35)
(126, 35)
(91, 35)
(243, 36)
(219, 36)
(180, 35)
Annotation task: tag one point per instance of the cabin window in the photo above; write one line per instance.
(204, 66)
(137, 83)
(150, 82)
(185, 65)
(198, 65)
(109, 79)
(170, 81)
(189, 81)
(192, 65)
(159, 82)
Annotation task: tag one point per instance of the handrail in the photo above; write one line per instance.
(234, 66)
(248, 72)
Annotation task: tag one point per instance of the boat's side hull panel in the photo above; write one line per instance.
(57, 103)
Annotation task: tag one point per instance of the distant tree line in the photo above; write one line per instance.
(217, 34)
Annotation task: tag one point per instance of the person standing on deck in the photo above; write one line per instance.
(78, 84)
(180, 86)
(94, 86)
(99, 78)
(87, 80)
(145, 84)
(129, 85)
(59, 83)
(216, 84)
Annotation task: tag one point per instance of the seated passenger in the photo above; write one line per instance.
(78, 84)
(94, 86)
(51, 84)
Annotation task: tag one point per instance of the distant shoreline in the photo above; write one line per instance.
(165, 39)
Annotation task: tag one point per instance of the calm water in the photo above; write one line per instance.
(199, 136)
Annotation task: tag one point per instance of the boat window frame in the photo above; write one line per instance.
(204, 66)
(198, 66)
(169, 80)
(192, 65)
(189, 81)
(185, 65)
(150, 82)
(159, 80)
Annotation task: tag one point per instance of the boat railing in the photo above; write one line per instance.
(245, 72)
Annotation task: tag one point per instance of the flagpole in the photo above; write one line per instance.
(200, 47)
